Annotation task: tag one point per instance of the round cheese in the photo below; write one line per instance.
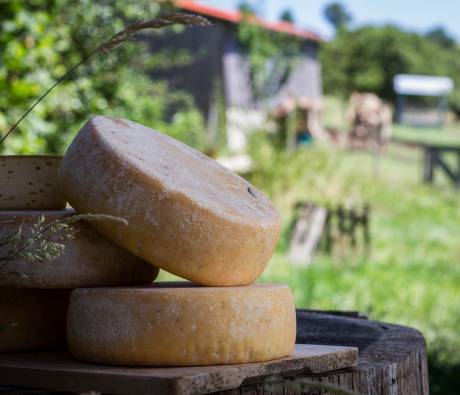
(29, 182)
(187, 214)
(32, 319)
(181, 324)
(88, 260)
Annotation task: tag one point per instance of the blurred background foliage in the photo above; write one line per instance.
(366, 58)
(42, 39)
(271, 56)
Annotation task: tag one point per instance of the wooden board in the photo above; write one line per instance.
(60, 372)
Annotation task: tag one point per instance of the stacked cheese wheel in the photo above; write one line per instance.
(192, 217)
(34, 295)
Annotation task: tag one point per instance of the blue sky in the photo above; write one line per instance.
(418, 15)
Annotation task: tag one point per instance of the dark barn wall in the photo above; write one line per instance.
(236, 75)
(216, 56)
(206, 46)
(305, 78)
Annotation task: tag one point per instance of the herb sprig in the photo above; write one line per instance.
(44, 241)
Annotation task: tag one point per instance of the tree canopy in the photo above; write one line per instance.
(367, 58)
(287, 16)
(337, 15)
(40, 40)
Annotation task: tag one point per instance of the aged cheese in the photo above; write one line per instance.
(88, 260)
(29, 182)
(187, 213)
(32, 319)
(181, 324)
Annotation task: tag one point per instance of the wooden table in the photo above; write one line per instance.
(392, 360)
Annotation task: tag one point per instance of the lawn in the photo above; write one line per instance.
(411, 275)
(448, 135)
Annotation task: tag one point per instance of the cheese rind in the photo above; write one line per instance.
(32, 319)
(29, 182)
(181, 324)
(187, 214)
(88, 260)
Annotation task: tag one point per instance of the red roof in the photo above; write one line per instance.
(236, 17)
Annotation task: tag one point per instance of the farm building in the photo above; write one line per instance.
(220, 80)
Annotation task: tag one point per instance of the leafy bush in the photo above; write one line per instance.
(367, 59)
(40, 41)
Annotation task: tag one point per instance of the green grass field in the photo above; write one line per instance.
(448, 135)
(411, 275)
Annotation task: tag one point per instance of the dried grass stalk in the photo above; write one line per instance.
(165, 20)
(44, 241)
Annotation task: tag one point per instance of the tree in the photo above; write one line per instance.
(368, 58)
(287, 16)
(337, 15)
(246, 8)
(441, 37)
(42, 40)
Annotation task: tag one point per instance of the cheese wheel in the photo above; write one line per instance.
(88, 260)
(29, 182)
(181, 324)
(32, 319)
(187, 214)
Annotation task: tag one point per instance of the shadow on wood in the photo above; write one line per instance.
(392, 358)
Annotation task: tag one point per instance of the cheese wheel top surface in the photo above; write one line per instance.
(187, 213)
(177, 324)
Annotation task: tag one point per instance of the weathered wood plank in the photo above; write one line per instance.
(58, 371)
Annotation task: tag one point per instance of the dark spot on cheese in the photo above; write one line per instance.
(251, 192)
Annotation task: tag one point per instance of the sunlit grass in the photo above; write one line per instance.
(411, 275)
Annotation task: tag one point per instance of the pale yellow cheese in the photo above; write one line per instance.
(29, 182)
(32, 319)
(187, 213)
(181, 324)
(88, 260)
